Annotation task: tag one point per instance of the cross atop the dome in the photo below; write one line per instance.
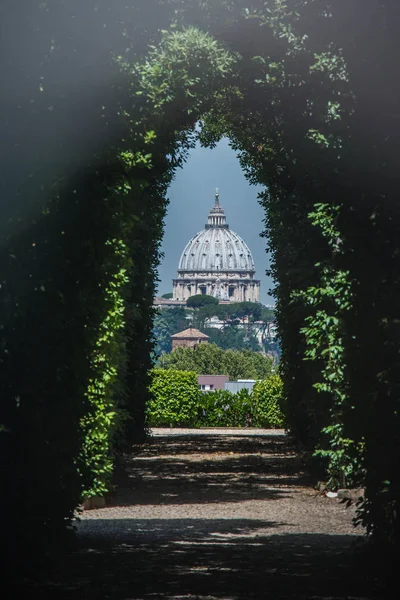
(216, 195)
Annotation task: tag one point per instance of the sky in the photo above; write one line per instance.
(191, 196)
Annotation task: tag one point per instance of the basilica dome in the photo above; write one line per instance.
(216, 261)
(216, 249)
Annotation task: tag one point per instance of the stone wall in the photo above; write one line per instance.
(187, 343)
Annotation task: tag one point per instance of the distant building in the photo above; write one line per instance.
(167, 303)
(217, 262)
(210, 383)
(240, 384)
(189, 338)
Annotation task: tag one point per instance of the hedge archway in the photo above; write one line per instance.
(81, 334)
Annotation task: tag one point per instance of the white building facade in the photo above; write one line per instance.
(217, 262)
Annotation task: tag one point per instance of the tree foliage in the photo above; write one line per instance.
(209, 359)
(232, 338)
(238, 331)
(241, 322)
(167, 322)
(201, 300)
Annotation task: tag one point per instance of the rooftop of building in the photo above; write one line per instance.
(189, 334)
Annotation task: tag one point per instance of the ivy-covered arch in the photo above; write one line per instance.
(80, 280)
(191, 88)
(291, 113)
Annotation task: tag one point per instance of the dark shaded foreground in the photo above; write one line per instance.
(213, 517)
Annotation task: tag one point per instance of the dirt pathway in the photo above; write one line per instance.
(221, 515)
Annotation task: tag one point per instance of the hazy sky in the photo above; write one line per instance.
(191, 196)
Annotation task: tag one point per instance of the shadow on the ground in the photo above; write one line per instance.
(209, 559)
(210, 468)
(213, 442)
(205, 558)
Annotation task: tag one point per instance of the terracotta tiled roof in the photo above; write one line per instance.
(189, 334)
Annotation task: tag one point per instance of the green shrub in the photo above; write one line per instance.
(225, 409)
(267, 399)
(174, 398)
(177, 400)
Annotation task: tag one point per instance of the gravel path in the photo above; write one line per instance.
(216, 514)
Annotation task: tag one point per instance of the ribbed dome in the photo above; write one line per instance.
(217, 248)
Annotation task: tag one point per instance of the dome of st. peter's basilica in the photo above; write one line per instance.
(217, 262)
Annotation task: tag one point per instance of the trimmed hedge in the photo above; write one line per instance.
(268, 402)
(174, 398)
(224, 409)
(178, 401)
